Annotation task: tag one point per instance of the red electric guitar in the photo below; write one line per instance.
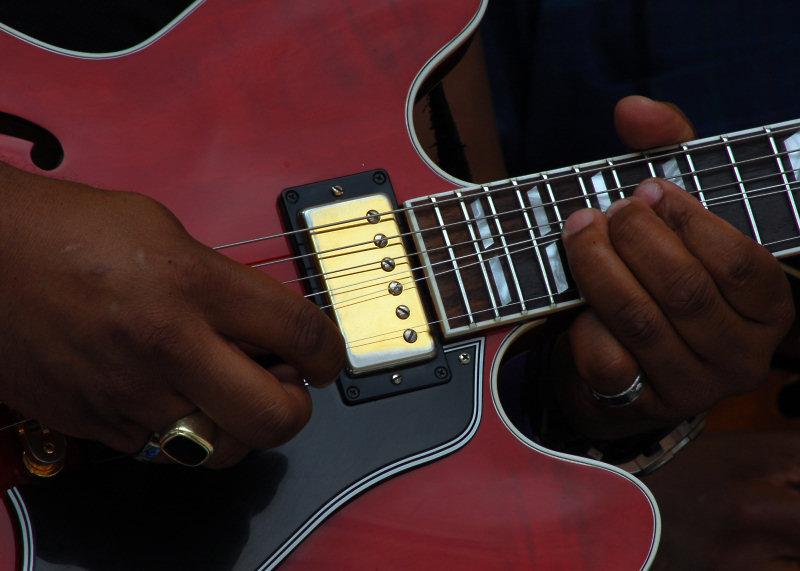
(247, 118)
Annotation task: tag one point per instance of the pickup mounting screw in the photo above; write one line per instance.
(353, 392)
(337, 190)
(396, 379)
(440, 372)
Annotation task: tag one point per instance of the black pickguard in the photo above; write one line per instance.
(130, 516)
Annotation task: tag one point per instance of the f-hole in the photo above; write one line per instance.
(46, 151)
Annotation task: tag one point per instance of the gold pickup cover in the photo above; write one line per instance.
(366, 272)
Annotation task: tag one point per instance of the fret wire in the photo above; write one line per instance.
(583, 186)
(742, 190)
(785, 178)
(501, 236)
(695, 177)
(650, 166)
(452, 258)
(553, 201)
(614, 173)
(534, 240)
(481, 261)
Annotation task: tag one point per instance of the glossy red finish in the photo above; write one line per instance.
(494, 504)
(244, 99)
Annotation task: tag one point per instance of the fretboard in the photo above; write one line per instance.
(492, 253)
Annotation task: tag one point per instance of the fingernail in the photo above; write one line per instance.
(617, 206)
(578, 221)
(649, 191)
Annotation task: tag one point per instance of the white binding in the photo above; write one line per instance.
(397, 467)
(106, 55)
(507, 342)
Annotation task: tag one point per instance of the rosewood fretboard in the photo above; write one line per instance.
(493, 254)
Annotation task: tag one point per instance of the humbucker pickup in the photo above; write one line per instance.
(354, 259)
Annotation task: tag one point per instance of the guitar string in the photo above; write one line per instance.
(682, 150)
(556, 176)
(527, 246)
(553, 204)
(714, 202)
(340, 273)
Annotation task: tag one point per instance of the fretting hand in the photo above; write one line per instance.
(674, 292)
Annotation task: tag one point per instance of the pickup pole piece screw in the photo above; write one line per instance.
(387, 264)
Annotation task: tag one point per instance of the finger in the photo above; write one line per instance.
(643, 123)
(250, 307)
(626, 308)
(747, 275)
(259, 408)
(227, 451)
(600, 359)
(677, 281)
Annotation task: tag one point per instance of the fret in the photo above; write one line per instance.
(792, 145)
(566, 190)
(582, 186)
(763, 179)
(502, 238)
(559, 217)
(695, 178)
(742, 190)
(650, 166)
(555, 262)
(617, 184)
(487, 240)
(453, 259)
(478, 253)
(784, 178)
(630, 171)
(532, 235)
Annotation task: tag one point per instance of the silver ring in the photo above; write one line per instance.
(625, 397)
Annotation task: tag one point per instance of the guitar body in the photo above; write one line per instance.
(231, 105)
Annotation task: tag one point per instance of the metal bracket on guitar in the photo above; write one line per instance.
(44, 450)
(404, 369)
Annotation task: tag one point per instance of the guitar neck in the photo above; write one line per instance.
(492, 254)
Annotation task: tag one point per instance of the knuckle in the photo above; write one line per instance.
(638, 322)
(691, 292)
(741, 263)
(309, 328)
(276, 424)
